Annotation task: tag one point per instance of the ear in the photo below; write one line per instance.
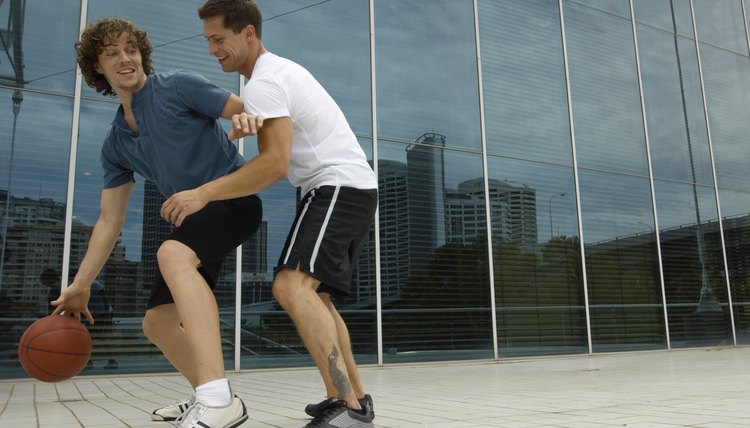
(98, 68)
(250, 31)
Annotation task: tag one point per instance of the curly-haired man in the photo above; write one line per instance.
(166, 129)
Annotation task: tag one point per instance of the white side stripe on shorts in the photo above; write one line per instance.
(296, 226)
(323, 229)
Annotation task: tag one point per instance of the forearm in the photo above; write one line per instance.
(103, 240)
(253, 177)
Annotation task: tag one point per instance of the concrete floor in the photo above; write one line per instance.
(685, 388)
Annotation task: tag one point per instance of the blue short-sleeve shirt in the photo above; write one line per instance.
(180, 144)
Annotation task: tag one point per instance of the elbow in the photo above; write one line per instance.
(279, 170)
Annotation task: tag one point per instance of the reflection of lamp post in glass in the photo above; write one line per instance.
(17, 100)
(551, 234)
(707, 301)
(14, 34)
(651, 229)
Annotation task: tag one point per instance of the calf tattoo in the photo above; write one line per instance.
(339, 380)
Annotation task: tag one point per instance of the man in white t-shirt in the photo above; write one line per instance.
(305, 138)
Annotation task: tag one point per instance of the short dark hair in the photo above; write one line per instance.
(237, 14)
(92, 42)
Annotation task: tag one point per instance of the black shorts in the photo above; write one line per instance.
(328, 233)
(213, 233)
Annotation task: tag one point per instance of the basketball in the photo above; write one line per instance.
(54, 348)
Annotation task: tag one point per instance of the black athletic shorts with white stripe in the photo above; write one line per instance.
(328, 233)
(213, 233)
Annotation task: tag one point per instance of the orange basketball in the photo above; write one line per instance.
(55, 348)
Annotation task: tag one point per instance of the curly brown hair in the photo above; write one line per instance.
(92, 42)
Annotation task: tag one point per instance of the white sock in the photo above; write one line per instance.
(215, 393)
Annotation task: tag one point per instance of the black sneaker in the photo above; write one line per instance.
(365, 402)
(335, 414)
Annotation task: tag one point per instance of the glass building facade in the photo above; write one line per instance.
(556, 177)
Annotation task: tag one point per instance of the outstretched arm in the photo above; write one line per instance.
(269, 166)
(74, 299)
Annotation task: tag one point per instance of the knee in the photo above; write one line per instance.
(283, 293)
(173, 254)
(293, 289)
(152, 327)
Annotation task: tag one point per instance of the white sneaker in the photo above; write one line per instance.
(172, 412)
(201, 416)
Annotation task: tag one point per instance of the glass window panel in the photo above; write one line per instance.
(735, 212)
(720, 23)
(727, 82)
(674, 107)
(36, 43)
(618, 7)
(33, 189)
(427, 70)
(525, 98)
(604, 88)
(670, 15)
(693, 265)
(621, 263)
(434, 264)
(536, 258)
(343, 68)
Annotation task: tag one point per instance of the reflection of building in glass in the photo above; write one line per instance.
(512, 211)
(36, 230)
(394, 234)
(425, 185)
(521, 201)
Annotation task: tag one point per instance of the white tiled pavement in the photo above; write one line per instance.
(685, 388)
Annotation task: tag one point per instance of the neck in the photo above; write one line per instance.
(247, 71)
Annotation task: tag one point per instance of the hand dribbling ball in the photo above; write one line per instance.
(55, 348)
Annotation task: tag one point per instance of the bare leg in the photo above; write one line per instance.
(197, 308)
(346, 348)
(295, 291)
(161, 325)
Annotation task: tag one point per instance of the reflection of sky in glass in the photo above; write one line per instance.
(604, 87)
(526, 106)
(661, 14)
(426, 70)
(618, 7)
(733, 203)
(613, 205)
(675, 203)
(50, 29)
(720, 23)
(331, 40)
(727, 82)
(674, 107)
(40, 153)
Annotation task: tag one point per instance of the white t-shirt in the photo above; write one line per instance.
(325, 151)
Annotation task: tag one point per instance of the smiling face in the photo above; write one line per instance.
(230, 48)
(120, 62)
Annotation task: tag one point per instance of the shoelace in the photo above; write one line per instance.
(330, 408)
(192, 415)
